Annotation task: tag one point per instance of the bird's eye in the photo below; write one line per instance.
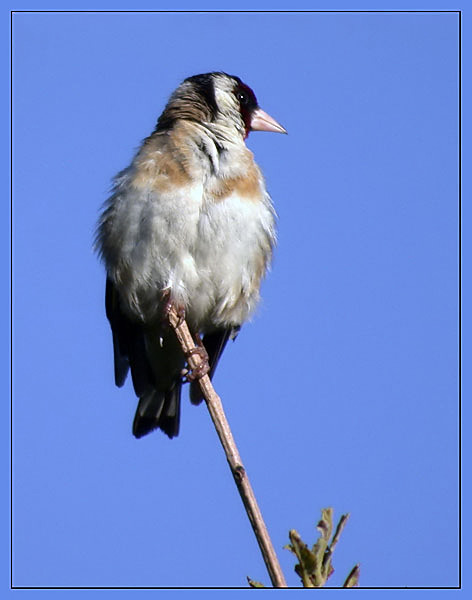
(242, 97)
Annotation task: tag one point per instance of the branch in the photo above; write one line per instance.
(223, 430)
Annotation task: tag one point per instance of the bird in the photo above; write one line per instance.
(189, 224)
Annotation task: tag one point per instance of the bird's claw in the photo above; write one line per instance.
(193, 374)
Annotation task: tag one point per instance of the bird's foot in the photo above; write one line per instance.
(195, 373)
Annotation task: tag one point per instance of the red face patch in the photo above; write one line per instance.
(247, 103)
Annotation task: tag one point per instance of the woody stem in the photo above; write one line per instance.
(223, 430)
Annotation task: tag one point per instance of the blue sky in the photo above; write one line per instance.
(342, 391)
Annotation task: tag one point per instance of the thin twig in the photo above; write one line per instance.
(223, 430)
(339, 529)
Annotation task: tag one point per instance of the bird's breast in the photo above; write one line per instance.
(247, 186)
(233, 249)
(208, 240)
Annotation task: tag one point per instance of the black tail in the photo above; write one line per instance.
(158, 410)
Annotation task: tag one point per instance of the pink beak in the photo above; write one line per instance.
(261, 121)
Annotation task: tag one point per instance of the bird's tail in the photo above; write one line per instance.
(158, 409)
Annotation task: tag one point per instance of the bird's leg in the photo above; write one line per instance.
(192, 374)
(168, 305)
(189, 373)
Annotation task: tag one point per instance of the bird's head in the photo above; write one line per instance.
(221, 102)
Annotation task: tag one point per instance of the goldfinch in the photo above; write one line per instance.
(188, 223)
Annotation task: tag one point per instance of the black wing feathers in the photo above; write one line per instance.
(119, 327)
(156, 407)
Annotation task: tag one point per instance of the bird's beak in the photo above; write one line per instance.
(261, 121)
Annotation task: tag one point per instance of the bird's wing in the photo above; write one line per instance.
(155, 364)
(120, 328)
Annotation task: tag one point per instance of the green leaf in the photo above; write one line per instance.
(255, 584)
(353, 577)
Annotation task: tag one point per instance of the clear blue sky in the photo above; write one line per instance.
(342, 391)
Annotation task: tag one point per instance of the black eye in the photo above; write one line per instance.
(245, 96)
(242, 97)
